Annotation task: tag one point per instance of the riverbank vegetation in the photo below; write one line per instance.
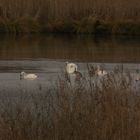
(110, 110)
(63, 16)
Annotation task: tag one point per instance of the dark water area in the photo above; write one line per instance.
(45, 55)
(83, 48)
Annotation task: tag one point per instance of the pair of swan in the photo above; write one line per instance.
(72, 72)
(72, 68)
(96, 71)
(100, 72)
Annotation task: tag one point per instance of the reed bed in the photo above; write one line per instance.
(84, 111)
(63, 9)
(116, 17)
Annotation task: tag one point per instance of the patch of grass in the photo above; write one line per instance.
(110, 110)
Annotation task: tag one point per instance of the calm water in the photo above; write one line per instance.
(45, 55)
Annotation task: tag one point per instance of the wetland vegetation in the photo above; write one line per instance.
(92, 108)
(85, 111)
(63, 16)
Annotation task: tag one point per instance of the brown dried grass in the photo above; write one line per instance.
(64, 9)
(84, 112)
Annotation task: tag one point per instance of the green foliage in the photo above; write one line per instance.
(64, 27)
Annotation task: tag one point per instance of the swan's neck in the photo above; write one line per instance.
(21, 76)
(99, 70)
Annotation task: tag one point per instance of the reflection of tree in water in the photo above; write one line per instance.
(83, 48)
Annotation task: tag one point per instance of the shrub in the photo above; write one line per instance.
(64, 27)
(126, 28)
(87, 25)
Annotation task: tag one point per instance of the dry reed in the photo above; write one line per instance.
(64, 9)
(63, 15)
(84, 112)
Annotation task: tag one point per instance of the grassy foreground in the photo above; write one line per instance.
(86, 111)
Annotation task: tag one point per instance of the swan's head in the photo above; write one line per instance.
(22, 74)
(66, 63)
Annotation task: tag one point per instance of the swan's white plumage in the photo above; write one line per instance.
(100, 72)
(23, 75)
(136, 76)
(71, 67)
(72, 73)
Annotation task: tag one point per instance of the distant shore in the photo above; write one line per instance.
(84, 26)
(106, 17)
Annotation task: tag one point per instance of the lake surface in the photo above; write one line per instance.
(84, 48)
(45, 55)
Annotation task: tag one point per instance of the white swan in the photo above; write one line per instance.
(71, 67)
(23, 75)
(72, 72)
(100, 71)
(136, 76)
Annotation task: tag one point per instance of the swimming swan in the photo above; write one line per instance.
(136, 76)
(72, 71)
(71, 67)
(23, 75)
(100, 71)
